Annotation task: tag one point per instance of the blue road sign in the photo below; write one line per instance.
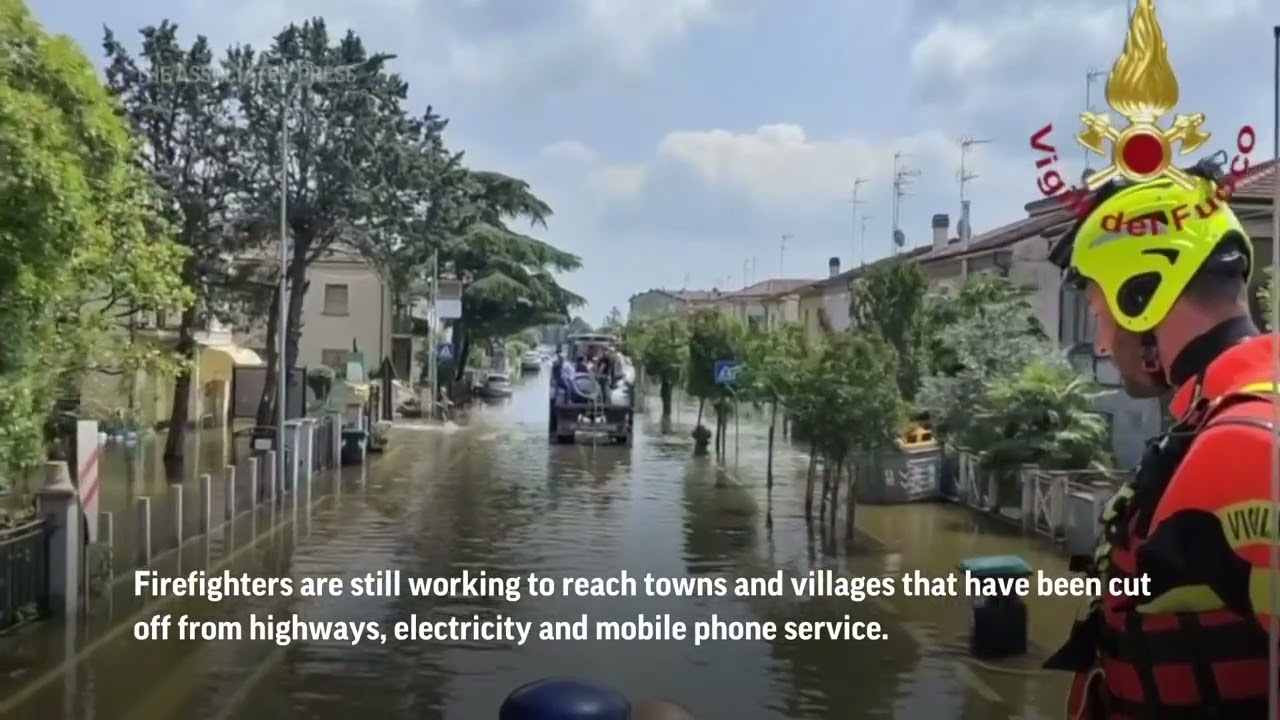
(444, 351)
(726, 371)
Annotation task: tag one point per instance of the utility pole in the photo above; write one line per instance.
(1089, 78)
(433, 335)
(903, 176)
(858, 250)
(862, 243)
(782, 256)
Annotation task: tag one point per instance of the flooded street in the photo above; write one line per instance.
(494, 496)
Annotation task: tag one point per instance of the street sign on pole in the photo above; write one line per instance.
(444, 351)
(726, 371)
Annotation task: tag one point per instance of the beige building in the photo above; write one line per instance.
(749, 305)
(147, 398)
(657, 302)
(348, 305)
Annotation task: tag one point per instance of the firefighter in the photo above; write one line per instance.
(1169, 293)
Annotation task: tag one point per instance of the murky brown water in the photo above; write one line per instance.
(494, 496)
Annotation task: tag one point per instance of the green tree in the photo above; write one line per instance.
(988, 332)
(578, 326)
(81, 242)
(344, 132)
(846, 403)
(183, 117)
(713, 336)
(771, 363)
(1041, 415)
(661, 346)
(508, 278)
(890, 300)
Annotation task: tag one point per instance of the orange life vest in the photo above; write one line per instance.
(1176, 665)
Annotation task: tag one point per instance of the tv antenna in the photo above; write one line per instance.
(903, 177)
(966, 146)
(1090, 78)
(859, 244)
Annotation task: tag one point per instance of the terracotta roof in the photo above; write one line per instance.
(765, 288)
(1048, 217)
(1260, 183)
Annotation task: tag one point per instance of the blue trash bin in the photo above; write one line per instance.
(564, 699)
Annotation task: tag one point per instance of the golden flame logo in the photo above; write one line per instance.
(1142, 87)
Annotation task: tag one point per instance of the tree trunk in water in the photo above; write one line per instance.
(851, 504)
(809, 480)
(179, 412)
(768, 466)
(701, 404)
(835, 496)
(664, 393)
(825, 491)
(267, 401)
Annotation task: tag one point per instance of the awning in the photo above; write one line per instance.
(240, 356)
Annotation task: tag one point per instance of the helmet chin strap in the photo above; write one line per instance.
(1151, 362)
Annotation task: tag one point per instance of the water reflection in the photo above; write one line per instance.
(496, 497)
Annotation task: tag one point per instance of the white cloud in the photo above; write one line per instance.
(570, 150)
(502, 50)
(780, 165)
(620, 181)
(1016, 59)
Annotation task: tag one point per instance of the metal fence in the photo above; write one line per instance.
(24, 573)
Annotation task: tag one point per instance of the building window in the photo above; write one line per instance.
(1076, 324)
(335, 360)
(335, 300)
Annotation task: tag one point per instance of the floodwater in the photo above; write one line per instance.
(492, 495)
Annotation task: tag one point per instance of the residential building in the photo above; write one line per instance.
(748, 304)
(147, 397)
(347, 307)
(781, 308)
(656, 302)
(1020, 251)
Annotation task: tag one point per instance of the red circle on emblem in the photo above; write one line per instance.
(1143, 153)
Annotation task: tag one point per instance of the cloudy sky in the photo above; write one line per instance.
(679, 139)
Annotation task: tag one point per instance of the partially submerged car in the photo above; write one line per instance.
(496, 385)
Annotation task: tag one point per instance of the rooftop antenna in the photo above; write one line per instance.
(856, 203)
(862, 244)
(1090, 78)
(903, 176)
(966, 145)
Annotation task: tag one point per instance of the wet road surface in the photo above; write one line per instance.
(494, 496)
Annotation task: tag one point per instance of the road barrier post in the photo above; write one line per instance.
(229, 495)
(176, 496)
(143, 518)
(58, 502)
(206, 503)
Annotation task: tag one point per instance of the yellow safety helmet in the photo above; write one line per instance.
(1142, 244)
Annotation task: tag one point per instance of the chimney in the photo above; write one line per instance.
(833, 265)
(941, 223)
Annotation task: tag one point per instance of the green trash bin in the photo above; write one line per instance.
(997, 625)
